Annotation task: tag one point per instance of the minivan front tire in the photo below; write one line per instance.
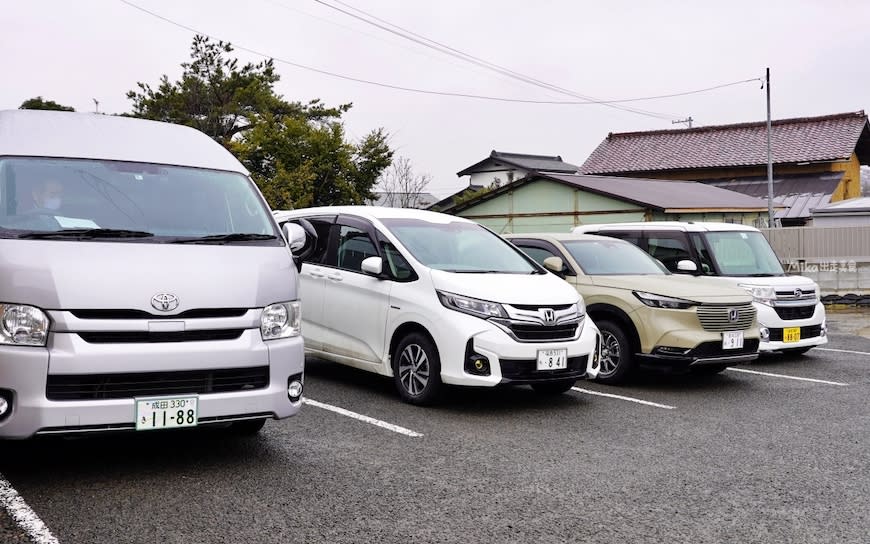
(417, 369)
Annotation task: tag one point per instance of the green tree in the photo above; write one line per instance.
(297, 153)
(39, 103)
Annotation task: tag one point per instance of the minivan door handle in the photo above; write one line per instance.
(335, 276)
(316, 273)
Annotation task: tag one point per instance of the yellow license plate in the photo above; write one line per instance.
(791, 334)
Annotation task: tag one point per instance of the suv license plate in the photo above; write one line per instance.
(552, 359)
(166, 413)
(732, 340)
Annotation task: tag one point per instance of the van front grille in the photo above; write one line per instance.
(145, 337)
(795, 312)
(197, 313)
(726, 318)
(144, 384)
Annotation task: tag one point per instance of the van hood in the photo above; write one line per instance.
(532, 289)
(67, 275)
(695, 288)
(775, 281)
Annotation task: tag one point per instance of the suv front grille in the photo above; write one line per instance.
(714, 349)
(145, 337)
(718, 318)
(794, 312)
(143, 384)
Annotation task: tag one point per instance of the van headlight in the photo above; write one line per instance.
(473, 306)
(23, 325)
(764, 294)
(281, 320)
(661, 301)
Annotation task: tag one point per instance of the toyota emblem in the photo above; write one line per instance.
(733, 315)
(164, 302)
(549, 316)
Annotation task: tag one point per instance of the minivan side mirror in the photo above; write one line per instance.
(301, 236)
(295, 236)
(555, 265)
(687, 266)
(372, 265)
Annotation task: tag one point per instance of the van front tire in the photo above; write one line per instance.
(417, 370)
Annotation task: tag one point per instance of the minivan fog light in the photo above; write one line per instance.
(294, 390)
(23, 325)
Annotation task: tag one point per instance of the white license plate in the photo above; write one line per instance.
(552, 359)
(732, 340)
(166, 413)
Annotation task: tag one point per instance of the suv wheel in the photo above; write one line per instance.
(617, 360)
(417, 369)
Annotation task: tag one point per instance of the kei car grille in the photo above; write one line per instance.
(718, 318)
(525, 369)
(714, 349)
(123, 386)
(145, 337)
(542, 333)
(810, 331)
(795, 312)
(796, 294)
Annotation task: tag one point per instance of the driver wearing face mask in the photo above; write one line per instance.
(48, 195)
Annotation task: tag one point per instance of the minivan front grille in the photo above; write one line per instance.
(146, 337)
(526, 369)
(196, 313)
(720, 318)
(543, 333)
(143, 384)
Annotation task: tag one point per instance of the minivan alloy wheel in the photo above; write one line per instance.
(414, 369)
(417, 369)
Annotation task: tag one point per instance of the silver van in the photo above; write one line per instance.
(143, 281)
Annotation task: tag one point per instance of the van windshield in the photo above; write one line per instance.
(743, 253)
(458, 246)
(78, 199)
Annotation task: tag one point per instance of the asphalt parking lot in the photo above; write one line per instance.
(750, 455)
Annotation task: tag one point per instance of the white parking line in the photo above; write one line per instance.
(620, 397)
(26, 518)
(843, 351)
(785, 376)
(366, 419)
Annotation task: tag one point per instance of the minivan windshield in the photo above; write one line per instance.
(457, 246)
(83, 199)
(743, 253)
(612, 257)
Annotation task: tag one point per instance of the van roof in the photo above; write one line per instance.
(373, 212)
(58, 134)
(701, 226)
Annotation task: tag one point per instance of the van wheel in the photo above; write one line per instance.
(553, 388)
(796, 351)
(417, 369)
(617, 360)
(248, 427)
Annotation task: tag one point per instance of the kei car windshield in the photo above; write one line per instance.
(612, 257)
(743, 253)
(43, 198)
(457, 246)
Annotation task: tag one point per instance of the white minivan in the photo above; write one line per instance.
(144, 283)
(791, 317)
(433, 299)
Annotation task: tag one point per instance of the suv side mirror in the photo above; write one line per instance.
(373, 266)
(687, 266)
(555, 265)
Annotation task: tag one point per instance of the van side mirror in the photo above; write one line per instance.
(555, 265)
(687, 266)
(373, 266)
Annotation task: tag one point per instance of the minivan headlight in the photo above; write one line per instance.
(765, 294)
(23, 325)
(661, 301)
(473, 306)
(281, 320)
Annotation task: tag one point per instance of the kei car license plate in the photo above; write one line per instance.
(732, 340)
(166, 413)
(552, 359)
(791, 334)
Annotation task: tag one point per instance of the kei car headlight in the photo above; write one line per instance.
(765, 294)
(23, 325)
(473, 306)
(661, 301)
(281, 320)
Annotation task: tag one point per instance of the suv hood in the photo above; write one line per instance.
(699, 289)
(532, 289)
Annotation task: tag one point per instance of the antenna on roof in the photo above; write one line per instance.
(96, 105)
(687, 121)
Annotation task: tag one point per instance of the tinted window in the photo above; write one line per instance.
(669, 249)
(398, 266)
(611, 257)
(537, 253)
(321, 226)
(354, 246)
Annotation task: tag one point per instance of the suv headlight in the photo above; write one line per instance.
(23, 325)
(281, 320)
(765, 294)
(472, 306)
(661, 301)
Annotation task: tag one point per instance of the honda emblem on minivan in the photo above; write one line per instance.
(733, 315)
(549, 316)
(164, 302)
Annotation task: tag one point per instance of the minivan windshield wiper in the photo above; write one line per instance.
(223, 238)
(84, 234)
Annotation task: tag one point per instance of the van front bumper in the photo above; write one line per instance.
(813, 329)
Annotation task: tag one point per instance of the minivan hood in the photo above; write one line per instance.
(694, 288)
(775, 281)
(533, 289)
(66, 275)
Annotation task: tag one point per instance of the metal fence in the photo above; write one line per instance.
(820, 243)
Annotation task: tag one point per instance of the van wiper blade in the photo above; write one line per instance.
(224, 238)
(84, 234)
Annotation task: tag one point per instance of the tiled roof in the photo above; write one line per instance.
(831, 137)
(530, 163)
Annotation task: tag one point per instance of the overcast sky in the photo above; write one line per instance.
(818, 52)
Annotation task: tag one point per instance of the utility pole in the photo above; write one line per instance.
(96, 105)
(770, 217)
(687, 121)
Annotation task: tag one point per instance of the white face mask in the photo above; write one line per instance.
(51, 203)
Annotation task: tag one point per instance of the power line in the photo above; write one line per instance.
(429, 91)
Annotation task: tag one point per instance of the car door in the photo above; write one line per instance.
(355, 303)
(312, 284)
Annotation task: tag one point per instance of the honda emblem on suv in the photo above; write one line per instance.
(549, 316)
(733, 315)
(164, 302)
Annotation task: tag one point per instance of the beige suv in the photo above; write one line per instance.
(646, 315)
